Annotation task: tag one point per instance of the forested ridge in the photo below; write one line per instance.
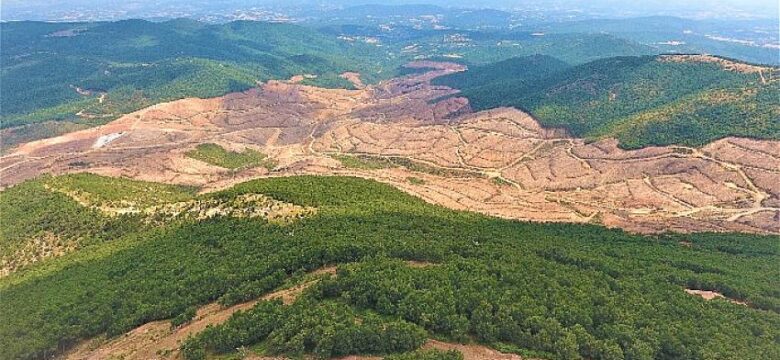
(641, 101)
(517, 71)
(555, 291)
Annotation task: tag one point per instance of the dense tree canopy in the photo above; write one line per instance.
(557, 291)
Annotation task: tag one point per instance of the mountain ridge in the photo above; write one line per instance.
(642, 101)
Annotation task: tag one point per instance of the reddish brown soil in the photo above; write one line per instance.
(354, 78)
(499, 162)
(472, 352)
(710, 295)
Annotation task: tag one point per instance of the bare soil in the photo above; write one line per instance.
(710, 295)
(471, 352)
(499, 162)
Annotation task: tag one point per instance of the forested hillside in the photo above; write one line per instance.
(485, 46)
(553, 291)
(641, 101)
(513, 72)
(52, 71)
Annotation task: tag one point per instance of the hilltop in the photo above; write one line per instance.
(389, 182)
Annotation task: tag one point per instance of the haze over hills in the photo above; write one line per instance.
(343, 180)
(54, 71)
(28, 9)
(86, 74)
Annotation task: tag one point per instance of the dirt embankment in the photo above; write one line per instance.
(711, 295)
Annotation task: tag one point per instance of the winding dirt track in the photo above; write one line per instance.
(158, 340)
(499, 162)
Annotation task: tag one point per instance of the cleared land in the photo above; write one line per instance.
(499, 162)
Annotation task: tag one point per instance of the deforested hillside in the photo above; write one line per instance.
(371, 270)
(61, 76)
(415, 135)
(642, 101)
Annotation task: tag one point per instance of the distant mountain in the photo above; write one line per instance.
(419, 16)
(51, 71)
(378, 10)
(754, 41)
(649, 100)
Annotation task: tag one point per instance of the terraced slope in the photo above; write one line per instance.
(406, 271)
(499, 162)
(641, 101)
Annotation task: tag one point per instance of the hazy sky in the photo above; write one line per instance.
(704, 8)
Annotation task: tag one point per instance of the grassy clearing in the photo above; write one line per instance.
(370, 162)
(415, 181)
(219, 156)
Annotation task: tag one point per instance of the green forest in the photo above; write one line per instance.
(641, 101)
(550, 291)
